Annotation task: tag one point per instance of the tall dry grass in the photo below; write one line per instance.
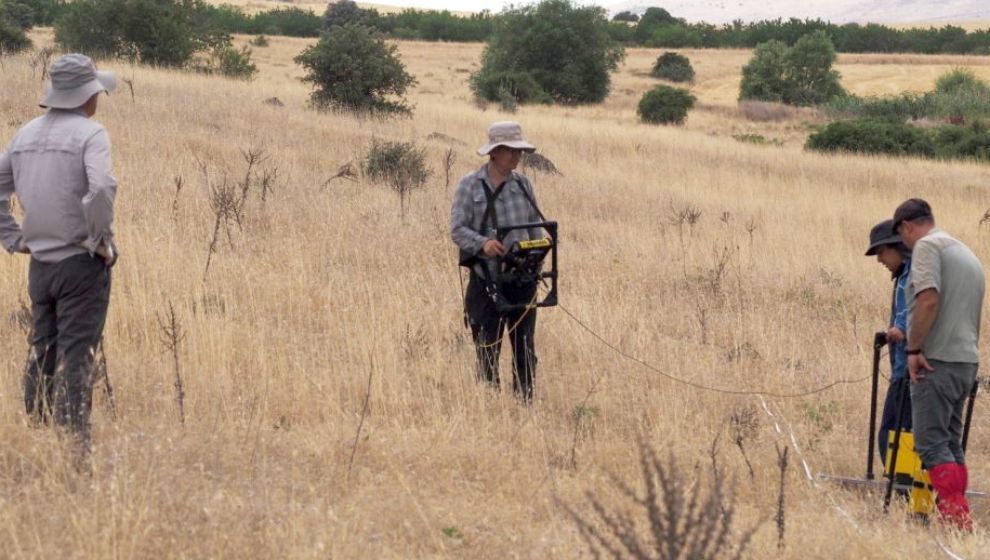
(324, 287)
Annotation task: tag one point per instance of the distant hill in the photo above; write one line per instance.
(837, 11)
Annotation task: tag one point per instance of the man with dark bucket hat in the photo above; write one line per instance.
(945, 302)
(891, 252)
(59, 167)
(492, 197)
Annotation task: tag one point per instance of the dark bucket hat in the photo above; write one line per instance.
(882, 234)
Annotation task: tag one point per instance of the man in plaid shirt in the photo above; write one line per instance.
(492, 197)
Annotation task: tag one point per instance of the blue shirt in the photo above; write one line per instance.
(898, 318)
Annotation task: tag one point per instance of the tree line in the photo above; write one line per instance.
(656, 27)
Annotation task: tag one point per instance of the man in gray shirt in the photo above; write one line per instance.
(59, 167)
(945, 300)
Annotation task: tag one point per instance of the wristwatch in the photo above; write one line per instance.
(914, 352)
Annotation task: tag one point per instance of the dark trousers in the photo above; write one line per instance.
(891, 410)
(487, 325)
(69, 301)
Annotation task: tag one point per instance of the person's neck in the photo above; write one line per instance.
(497, 175)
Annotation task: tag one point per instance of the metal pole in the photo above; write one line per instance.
(879, 340)
(969, 413)
(892, 471)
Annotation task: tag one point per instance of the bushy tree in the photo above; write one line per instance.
(352, 68)
(674, 67)
(158, 32)
(15, 20)
(343, 12)
(626, 16)
(798, 75)
(665, 105)
(567, 49)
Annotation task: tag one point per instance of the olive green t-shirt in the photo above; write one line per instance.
(945, 264)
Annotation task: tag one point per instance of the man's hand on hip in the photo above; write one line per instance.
(918, 367)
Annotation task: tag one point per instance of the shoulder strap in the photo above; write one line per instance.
(524, 185)
(490, 214)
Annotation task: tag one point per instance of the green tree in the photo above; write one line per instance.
(808, 70)
(626, 16)
(343, 12)
(763, 77)
(567, 49)
(798, 75)
(352, 68)
(665, 105)
(15, 20)
(158, 32)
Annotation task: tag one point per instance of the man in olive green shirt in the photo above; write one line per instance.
(945, 300)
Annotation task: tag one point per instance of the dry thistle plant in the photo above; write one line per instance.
(674, 519)
(449, 159)
(223, 203)
(345, 171)
(253, 157)
(178, 182)
(172, 336)
(744, 422)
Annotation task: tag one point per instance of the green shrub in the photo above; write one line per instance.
(798, 75)
(352, 68)
(399, 165)
(520, 85)
(675, 37)
(908, 105)
(260, 41)
(960, 80)
(963, 142)
(665, 105)
(15, 20)
(158, 32)
(674, 67)
(565, 48)
(225, 60)
(873, 136)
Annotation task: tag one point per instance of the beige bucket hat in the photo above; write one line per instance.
(74, 80)
(505, 133)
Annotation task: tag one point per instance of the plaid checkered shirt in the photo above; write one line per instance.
(512, 207)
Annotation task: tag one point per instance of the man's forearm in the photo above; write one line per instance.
(924, 317)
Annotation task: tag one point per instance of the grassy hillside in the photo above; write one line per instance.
(324, 292)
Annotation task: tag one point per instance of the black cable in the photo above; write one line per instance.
(706, 387)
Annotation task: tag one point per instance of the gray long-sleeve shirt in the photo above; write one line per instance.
(59, 167)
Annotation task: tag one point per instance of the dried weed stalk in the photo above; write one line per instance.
(675, 519)
(172, 336)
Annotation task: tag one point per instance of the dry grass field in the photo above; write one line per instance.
(325, 291)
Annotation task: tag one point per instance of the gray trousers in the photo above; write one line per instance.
(69, 301)
(937, 411)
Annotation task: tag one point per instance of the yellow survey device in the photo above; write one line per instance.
(531, 244)
(909, 474)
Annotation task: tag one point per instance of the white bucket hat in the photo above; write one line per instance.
(508, 134)
(74, 80)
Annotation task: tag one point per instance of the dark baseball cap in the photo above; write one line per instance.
(882, 234)
(911, 209)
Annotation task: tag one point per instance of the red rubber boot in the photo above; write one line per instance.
(949, 481)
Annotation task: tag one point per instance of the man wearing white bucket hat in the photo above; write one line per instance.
(492, 197)
(59, 167)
